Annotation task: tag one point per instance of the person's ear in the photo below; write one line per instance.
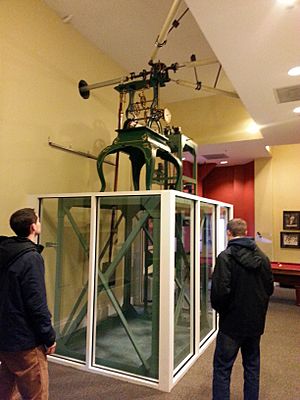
(32, 228)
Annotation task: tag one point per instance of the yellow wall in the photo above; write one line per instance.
(277, 189)
(213, 119)
(42, 60)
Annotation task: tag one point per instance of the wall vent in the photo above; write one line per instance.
(287, 94)
(215, 156)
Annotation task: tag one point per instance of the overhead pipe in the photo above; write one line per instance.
(227, 93)
(198, 86)
(198, 63)
(84, 88)
(161, 39)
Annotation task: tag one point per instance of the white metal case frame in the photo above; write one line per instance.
(168, 377)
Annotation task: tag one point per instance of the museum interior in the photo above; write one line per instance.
(137, 129)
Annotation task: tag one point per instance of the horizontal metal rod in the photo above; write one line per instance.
(198, 63)
(104, 83)
(206, 88)
(227, 93)
(77, 152)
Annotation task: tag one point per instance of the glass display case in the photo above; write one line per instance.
(128, 280)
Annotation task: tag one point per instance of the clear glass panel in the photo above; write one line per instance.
(66, 235)
(189, 178)
(184, 281)
(207, 217)
(222, 236)
(127, 282)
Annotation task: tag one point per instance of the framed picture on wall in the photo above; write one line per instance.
(291, 220)
(290, 240)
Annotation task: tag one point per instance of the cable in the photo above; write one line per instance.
(175, 23)
(218, 75)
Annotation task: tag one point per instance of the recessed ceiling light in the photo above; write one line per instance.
(296, 110)
(294, 71)
(253, 128)
(287, 3)
(224, 162)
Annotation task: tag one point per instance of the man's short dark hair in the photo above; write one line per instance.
(21, 220)
(237, 227)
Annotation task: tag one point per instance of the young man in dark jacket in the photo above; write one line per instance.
(26, 333)
(242, 283)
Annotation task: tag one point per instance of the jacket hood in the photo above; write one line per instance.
(11, 248)
(245, 253)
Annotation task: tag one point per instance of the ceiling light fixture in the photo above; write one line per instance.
(296, 110)
(295, 71)
(287, 3)
(253, 128)
(224, 162)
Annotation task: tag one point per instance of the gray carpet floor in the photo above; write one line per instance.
(280, 367)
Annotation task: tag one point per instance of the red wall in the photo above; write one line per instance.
(234, 185)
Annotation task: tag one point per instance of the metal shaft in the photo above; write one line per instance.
(110, 82)
(198, 63)
(164, 31)
(206, 88)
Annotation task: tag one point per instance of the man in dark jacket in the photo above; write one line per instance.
(242, 283)
(26, 333)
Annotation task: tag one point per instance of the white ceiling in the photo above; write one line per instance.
(256, 41)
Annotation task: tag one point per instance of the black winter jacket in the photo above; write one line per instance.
(242, 283)
(25, 321)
